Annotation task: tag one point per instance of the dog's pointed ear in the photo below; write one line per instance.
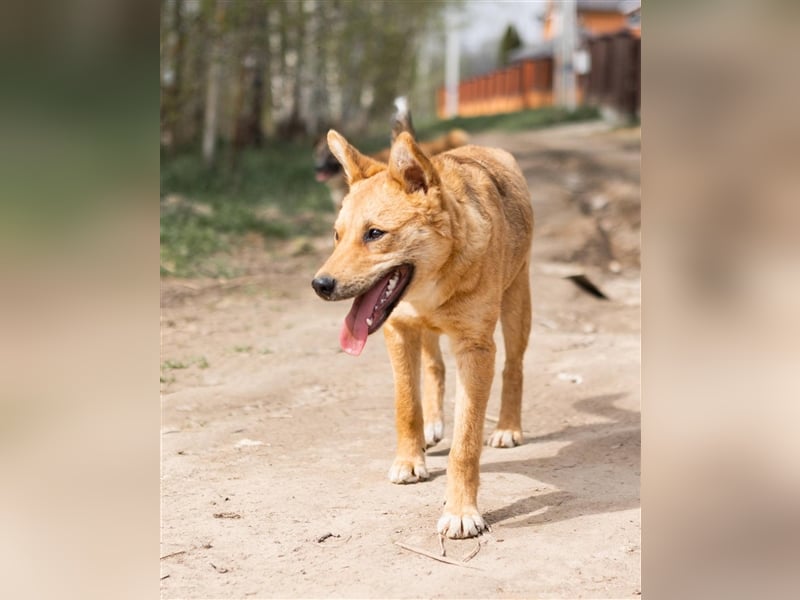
(409, 166)
(356, 166)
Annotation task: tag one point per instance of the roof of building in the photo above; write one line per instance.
(621, 6)
(540, 50)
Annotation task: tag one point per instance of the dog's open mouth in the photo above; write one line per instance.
(372, 308)
(326, 170)
(323, 174)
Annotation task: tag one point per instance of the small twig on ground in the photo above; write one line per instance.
(173, 554)
(219, 569)
(163, 577)
(441, 544)
(190, 286)
(324, 537)
(472, 554)
(443, 559)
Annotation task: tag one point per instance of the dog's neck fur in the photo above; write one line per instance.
(470, 239)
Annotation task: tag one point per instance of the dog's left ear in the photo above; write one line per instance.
(356, 166)
(409, 166)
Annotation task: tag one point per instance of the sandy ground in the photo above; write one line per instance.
(276, 445)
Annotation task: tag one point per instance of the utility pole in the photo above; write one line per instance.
(565, 51)
(451, 75)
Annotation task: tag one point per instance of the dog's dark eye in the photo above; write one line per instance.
(335, 236)
(373, 234)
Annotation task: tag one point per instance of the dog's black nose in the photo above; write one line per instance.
(324, 286)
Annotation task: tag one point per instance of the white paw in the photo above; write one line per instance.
(467, 525)
(434, 432)
(505, 438)
(404, 471)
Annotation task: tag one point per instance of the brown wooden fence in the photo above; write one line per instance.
(613, 81)
(615, 77)
(527, 84)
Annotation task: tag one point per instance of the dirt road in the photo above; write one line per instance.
(276, 445)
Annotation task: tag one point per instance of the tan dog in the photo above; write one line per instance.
(429, 246)
(328, 170)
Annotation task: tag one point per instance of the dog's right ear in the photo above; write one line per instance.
(356, 166)
(409, 166)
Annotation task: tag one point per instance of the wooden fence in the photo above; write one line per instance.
(527, 84)
(614, 81)
(615, 77)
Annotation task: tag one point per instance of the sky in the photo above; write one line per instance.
(486, 20)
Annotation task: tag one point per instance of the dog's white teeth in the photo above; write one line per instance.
(369, 322)
(392, 284)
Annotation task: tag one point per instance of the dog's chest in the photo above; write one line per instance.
(406, 311)
(422, 300)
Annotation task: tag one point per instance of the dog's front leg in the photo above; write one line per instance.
(475, 360)
(403, 343)
(432, 388)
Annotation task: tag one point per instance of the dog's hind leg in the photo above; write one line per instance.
(404, 344)
(516, 321)
(433, 388)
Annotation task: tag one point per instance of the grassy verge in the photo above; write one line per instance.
(205, 211)
(517, 121)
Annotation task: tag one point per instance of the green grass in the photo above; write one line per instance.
(263, 193)
(278, 174)
(169, 364)
(174, 364)
(271, 190)
(517, 121)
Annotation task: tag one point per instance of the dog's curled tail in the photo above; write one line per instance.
(457, 137)
(401, 119)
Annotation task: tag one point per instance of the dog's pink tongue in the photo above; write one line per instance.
(353, 336)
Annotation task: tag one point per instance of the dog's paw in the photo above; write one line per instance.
(406, 471)
(434, 432)
(469, 524)
(505, 438)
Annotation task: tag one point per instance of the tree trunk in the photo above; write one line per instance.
(210, 122)
(259, 53)
(257, 107)
(319, 117)
(295, 126)
(172, 92)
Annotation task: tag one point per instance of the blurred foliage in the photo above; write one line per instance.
(240, 72)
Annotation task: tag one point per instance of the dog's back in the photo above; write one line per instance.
(490, 175)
